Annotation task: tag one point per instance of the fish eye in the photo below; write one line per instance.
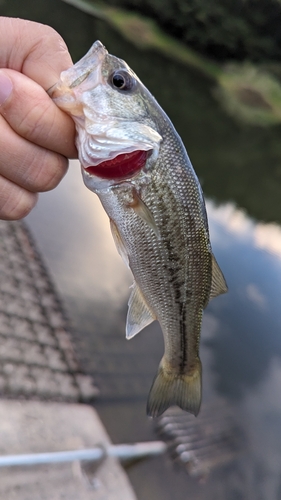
(121, 80)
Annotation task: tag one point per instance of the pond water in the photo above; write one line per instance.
(240, 171)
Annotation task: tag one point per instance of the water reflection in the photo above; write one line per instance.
(264, 236)
(248, 336)
(262, 413)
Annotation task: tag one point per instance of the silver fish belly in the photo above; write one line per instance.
(134, 160)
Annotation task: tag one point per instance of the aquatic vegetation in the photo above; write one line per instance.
(250, 94)
(246, 92)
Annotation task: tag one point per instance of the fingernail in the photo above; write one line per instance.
(6, 87)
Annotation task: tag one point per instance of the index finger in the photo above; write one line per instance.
(32, 114)
(33, 49)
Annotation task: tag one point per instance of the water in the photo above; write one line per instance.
(240, 170)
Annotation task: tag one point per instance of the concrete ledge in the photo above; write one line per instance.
(34, 427)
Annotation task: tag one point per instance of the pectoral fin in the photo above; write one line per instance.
(218, 284)
(139, 314)
(143, 212)
(119, 242)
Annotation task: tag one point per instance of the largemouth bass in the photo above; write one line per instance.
(134, 160)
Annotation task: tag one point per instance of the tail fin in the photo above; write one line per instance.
(173, 389)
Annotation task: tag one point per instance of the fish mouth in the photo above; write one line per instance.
(84, 75)
(110, 147)
(122, 166)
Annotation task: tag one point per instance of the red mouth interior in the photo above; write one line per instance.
(121, 167)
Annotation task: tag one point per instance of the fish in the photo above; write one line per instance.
(135, 161)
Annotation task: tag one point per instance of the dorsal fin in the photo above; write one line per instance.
(139, 314)
(218, 285)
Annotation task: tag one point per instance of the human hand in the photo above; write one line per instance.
(36, 137)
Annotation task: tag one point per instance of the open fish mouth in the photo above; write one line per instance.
(113, 142)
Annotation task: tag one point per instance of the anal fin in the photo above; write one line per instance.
(139, 314)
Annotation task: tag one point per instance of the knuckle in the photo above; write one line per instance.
(44, 33)
(50, 172)
(16, 202)
(57, 172)
(48, 39)
(54, 37)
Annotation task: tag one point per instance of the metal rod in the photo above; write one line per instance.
(122, 451)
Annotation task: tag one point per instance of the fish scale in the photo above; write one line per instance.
(156, 208)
